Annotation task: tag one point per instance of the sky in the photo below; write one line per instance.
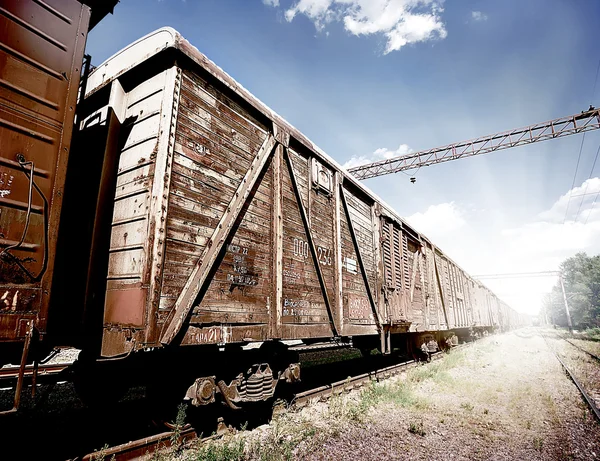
(367, 79)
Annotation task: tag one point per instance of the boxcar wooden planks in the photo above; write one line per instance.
(214, 146)
(302, 297)
(356, 304)
(237, 252)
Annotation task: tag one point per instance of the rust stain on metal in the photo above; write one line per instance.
(126, 306)
(40, 64)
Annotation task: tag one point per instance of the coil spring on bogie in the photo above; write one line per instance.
(259, 384)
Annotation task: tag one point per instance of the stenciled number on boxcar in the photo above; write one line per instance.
(209, 336)
(240, 267)
(324, 255)
(300, 248)
(290, 275)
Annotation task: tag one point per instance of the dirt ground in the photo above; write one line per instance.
(502, 398)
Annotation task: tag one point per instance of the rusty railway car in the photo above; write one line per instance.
(184, 234)
(229, 227)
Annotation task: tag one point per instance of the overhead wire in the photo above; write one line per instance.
(598, 193)
(579, 158)
(587, 184)
(574, 178)
(592, 208)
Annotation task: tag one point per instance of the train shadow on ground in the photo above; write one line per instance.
(64, 428)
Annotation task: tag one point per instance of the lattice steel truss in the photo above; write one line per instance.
(585, 121)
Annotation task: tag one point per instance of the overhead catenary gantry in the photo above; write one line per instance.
(579, 123)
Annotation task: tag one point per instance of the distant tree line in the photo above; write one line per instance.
(581, 278)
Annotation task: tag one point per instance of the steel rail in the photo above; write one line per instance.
(594, 356)
(584, 394)
(141, 448)
(579, 123)
(354, 382)
(43, 370)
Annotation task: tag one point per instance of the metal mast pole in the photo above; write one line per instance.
(562, 286)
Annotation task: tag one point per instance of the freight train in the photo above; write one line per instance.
(161, 218)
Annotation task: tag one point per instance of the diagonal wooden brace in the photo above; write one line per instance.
(205, 264)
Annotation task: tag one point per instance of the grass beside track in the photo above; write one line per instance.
(504, 397)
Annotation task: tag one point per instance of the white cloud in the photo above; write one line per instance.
(541, 245)
(478, 16)
(271, 2)
(575, 205)
(438, 220)
(401, 22)
(379, 154)
(552, 237)
(481, 246)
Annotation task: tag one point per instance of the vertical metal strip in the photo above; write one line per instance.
(392, 241)
(159, 203)
(413, 275)
(419, 254)
(378, 254)
(311, 243)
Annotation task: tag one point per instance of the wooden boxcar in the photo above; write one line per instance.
(229, 226)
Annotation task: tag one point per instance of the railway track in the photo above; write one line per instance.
(42, 370)
(594, 356)
(355, 382)
(141, 448)
(586, 397)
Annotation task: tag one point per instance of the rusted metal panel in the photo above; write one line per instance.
(126, 306)
(41, 51)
